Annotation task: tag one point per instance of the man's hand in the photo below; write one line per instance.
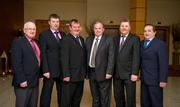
(66, 79)
(108, 76)
(47, 75)
(162, 84)
(134, 78)
(41, 79)
(23, 84)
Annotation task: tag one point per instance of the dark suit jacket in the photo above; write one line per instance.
(50, 53)
(104, 61)
(24, 63)
(128, 59)
(73, 58)
(154, 62)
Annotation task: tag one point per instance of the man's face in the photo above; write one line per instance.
(54, 23)
(124, 28)
(30, 30)
(148, 32)
(98, 29)
(75, 28)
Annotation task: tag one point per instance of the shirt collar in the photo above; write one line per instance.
(151, 39)
(29, 39)
(75, 36)
(125, 35)
(53, 30)
(99, 37)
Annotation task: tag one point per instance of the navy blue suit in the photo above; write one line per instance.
(154, 69)
(25, 67)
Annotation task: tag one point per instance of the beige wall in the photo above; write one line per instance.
(166, 12)
(66, 10)
(86, 12)
(107, 10)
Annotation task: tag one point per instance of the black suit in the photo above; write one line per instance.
(126, 63)
(50, 55)
(104, 64)
(73, 59)
(154, 69)
(25, 67)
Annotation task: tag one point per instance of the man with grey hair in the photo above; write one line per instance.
(26, 67)
(100, 59)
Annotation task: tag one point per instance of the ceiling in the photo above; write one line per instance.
(86, 0)
(60, 0)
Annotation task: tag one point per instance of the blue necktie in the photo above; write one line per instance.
(146, 43)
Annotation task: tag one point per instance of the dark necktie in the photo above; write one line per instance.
(94, 52)
(78, 40)
(146, 43)
(57, 36)
(121, 42)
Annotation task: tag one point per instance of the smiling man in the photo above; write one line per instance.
(50, 45)
(154, 68)
(127, 60)
(26, 67)
(100, 59)
(73, 59)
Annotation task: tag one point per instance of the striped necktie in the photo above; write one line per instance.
(121, 42)
(146, 43)
(36, 50)
(57, 36)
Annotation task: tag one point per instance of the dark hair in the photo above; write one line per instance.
(53, 16)
(73, 21)
(97, 21)
(154, 28)
(124, 20)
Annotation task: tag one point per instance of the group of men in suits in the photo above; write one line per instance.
(67, 60)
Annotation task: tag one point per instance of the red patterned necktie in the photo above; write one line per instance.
(36, 50)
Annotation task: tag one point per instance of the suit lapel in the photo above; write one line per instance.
(149, 45)
(126, 41)
(30, 48)
(100, 43)
(82, 42)
(117, 39)
(77, 42)
(51, 36)
(89, 45)
(91, 42)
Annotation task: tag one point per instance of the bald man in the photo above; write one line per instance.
(26, 67)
